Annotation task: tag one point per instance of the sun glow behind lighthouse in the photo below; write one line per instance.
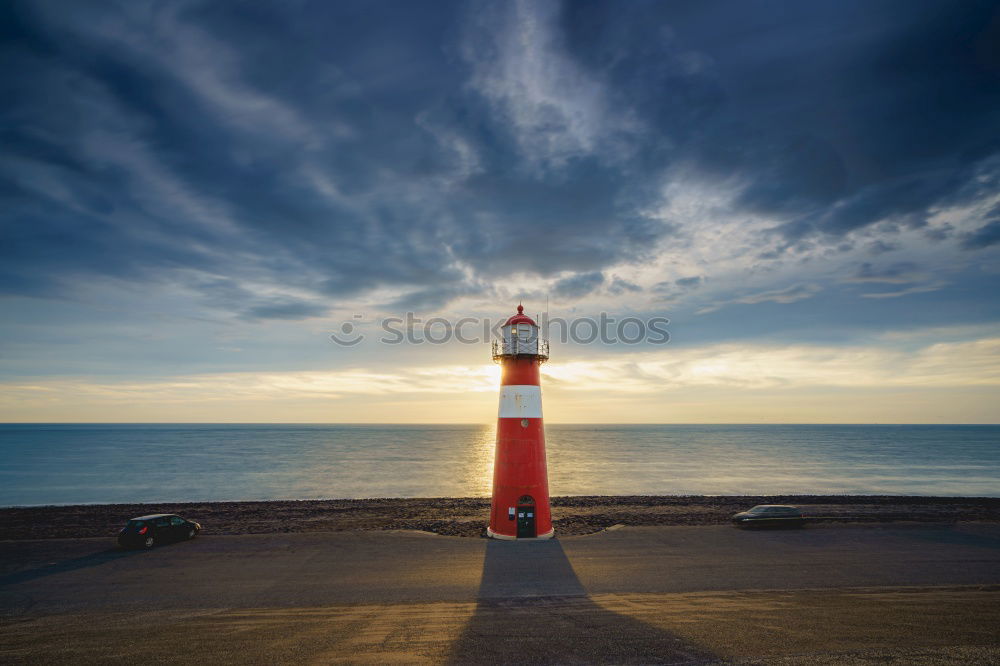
(919, 380)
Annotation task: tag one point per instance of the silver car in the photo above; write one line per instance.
(770, 515)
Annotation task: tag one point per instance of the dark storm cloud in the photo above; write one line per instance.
(833, 116)
(157, 142)
(907, 202)
(331, 149)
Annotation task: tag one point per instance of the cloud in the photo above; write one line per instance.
(620, 286)
(899, 273)
(326, 182)
(787, 295)
(672, 291)
(556, 110)
(881, 246)
(285, 309)
(688, 282)
(906, 292)
(577, 286)
(674, 372)
(436, 298)
(985, 236)
(906, 149)
(950, 364)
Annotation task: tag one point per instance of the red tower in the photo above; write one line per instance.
(520, 507)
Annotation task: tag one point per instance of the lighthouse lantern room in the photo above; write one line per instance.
(520, 505)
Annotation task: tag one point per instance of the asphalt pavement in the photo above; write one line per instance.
(632, 595)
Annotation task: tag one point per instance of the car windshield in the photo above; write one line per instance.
(757, 510)
(135, 523)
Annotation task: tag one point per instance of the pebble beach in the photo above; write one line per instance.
(467, 517)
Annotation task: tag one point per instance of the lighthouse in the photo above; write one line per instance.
(520, 506)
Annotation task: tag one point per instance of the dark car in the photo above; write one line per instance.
(157, 528)
(770, 515)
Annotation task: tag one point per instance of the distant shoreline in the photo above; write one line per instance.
(467, 516)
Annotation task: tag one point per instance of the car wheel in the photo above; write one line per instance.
(148, 543)
(191, 534)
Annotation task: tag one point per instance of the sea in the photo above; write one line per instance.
(42, 464)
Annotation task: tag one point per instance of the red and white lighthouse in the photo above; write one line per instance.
(520, 507)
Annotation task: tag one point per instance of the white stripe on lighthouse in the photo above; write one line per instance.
(520, 401)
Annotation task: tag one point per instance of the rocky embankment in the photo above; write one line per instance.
(466, 517)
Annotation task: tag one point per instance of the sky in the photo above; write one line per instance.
(198, 195)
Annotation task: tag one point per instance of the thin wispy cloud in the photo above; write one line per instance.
(556, 109)
(788, 295)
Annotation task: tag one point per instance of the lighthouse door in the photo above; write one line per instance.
(526, 518)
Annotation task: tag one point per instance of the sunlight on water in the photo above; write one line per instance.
(63, 464)
(478, 470)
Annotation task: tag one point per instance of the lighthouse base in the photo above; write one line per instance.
(506, 537)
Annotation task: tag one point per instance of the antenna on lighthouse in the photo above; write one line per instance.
(545, 319)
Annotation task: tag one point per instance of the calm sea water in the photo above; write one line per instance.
(68, 464)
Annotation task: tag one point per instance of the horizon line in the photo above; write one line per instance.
(473, 423)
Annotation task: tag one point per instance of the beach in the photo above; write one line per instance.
(467, 517)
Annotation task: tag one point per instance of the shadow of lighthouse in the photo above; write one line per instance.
(532, 609)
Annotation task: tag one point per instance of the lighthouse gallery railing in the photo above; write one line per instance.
(521, 347)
